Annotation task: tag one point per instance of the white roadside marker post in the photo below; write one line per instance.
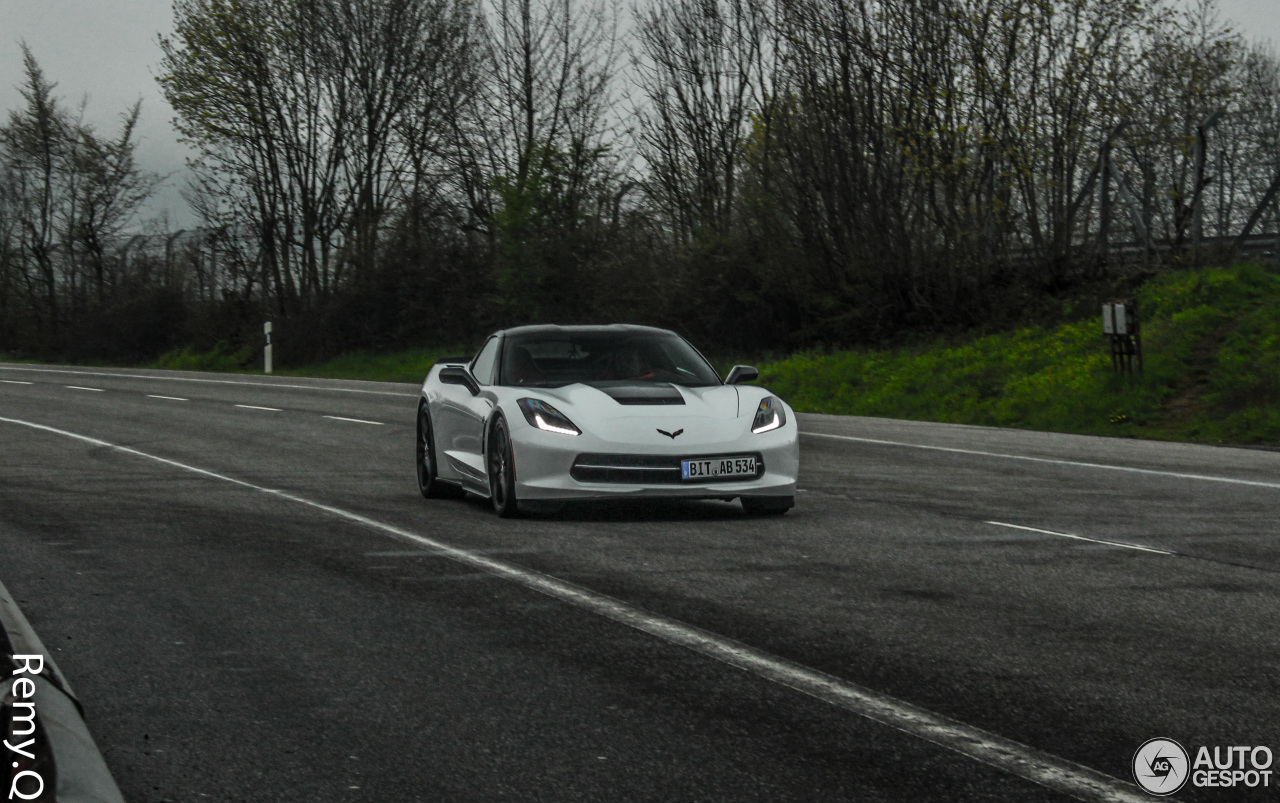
(266, 351)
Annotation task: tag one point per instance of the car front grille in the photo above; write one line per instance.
(643, 469)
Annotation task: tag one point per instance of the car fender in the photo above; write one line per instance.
(504, 407)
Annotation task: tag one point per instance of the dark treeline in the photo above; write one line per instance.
(759, 174)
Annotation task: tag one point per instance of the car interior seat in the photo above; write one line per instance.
(523, 370)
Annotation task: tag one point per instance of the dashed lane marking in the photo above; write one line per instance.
(15, 382)
(354, 420)
(988, 748)
(210, 381)
(1152, 471)
(243, 406)
(1141, 548)
(1121, 544)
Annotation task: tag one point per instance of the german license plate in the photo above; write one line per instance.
(705, 468)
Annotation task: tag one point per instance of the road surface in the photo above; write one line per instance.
(253, 602)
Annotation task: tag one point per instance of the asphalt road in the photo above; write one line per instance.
(261, 614)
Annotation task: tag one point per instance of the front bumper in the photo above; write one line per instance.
(545, 463)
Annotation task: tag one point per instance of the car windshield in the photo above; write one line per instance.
(602, 359)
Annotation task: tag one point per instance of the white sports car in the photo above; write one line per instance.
(547, 414)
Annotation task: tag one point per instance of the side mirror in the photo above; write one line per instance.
(457, 375)
(740, 374)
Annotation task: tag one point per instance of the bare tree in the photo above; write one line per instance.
(537, 144)
(35, 146)
(305, 114)
(699, 68)
(1252, 155)
(113, 189)
(401, 59)
(68, 193)
(1187, 73)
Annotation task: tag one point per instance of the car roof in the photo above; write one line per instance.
(552, 329)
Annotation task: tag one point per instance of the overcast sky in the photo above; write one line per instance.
(106, 50)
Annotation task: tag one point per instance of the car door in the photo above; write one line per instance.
(462, 416)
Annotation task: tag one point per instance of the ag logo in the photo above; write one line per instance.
(1160, 766)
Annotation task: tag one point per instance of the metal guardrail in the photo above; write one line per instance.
(1263, 245)
(51, 757)
(1252, 244)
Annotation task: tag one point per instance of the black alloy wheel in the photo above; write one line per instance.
(429, 483)
(502, 470)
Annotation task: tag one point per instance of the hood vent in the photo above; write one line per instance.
(644, 394)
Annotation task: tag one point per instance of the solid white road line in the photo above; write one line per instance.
(256, 407)
(78, 387)
(996, 751)
(1177, 474)
(15, 382)
(208, 381)
(1082, 538)
(170, 398)
(354, 420)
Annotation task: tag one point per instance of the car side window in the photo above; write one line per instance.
(482, 366)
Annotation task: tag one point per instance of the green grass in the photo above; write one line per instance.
(221, 358)
(401, 366)
(1211, 339)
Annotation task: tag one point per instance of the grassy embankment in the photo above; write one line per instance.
(1211, 340)
(402, 366)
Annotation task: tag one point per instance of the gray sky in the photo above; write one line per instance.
(1258, 20)
(106, 50)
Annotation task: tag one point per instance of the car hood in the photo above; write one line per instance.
(648, 401)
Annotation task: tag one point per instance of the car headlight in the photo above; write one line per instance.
(545, 417)
(769, 415)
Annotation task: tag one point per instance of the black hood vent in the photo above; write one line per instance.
(642, 394)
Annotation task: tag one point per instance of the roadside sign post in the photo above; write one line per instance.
(266, 351)
(1120, 323)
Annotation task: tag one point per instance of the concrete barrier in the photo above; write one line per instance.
(65, 761)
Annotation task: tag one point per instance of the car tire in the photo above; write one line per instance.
(429, 483)
(501, 463)
(767, 505)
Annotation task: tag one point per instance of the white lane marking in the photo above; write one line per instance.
(256, 407)
(354, 420)
(208, 381)
(15, 382)
(79, 387)
(988, 748)
(1179, 475)
(169, 398)
(1082, 538)
(423, 552)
